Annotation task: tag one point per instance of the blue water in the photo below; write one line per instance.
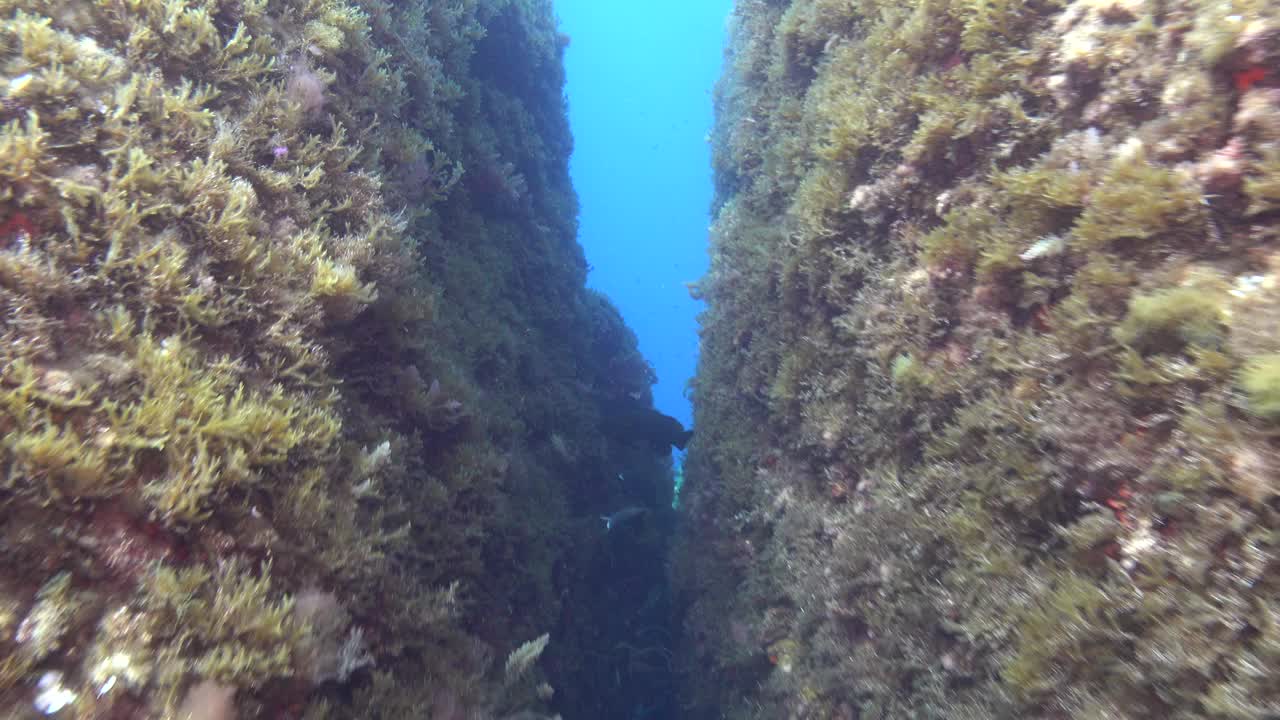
(639, 84)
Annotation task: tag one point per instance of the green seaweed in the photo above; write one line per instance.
(1137, 200)
(1170, 320)
(1260, 380)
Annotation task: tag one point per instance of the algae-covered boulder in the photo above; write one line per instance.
(986, 400)
(267, 362)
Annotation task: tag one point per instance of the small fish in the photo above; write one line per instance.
(621, 516)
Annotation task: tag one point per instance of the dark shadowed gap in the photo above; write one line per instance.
(639, 79)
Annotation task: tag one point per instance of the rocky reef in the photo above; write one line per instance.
(989, 395)
(300, 385)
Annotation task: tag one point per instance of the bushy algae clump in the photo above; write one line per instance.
(283, 287)
(987, 397)
(1261, 382)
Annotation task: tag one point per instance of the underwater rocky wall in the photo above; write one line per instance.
(989, 396)
(299, 381)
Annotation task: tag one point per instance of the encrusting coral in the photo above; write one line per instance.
(987, 395)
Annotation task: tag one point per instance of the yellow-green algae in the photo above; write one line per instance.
(986, 396)
(283, 288)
